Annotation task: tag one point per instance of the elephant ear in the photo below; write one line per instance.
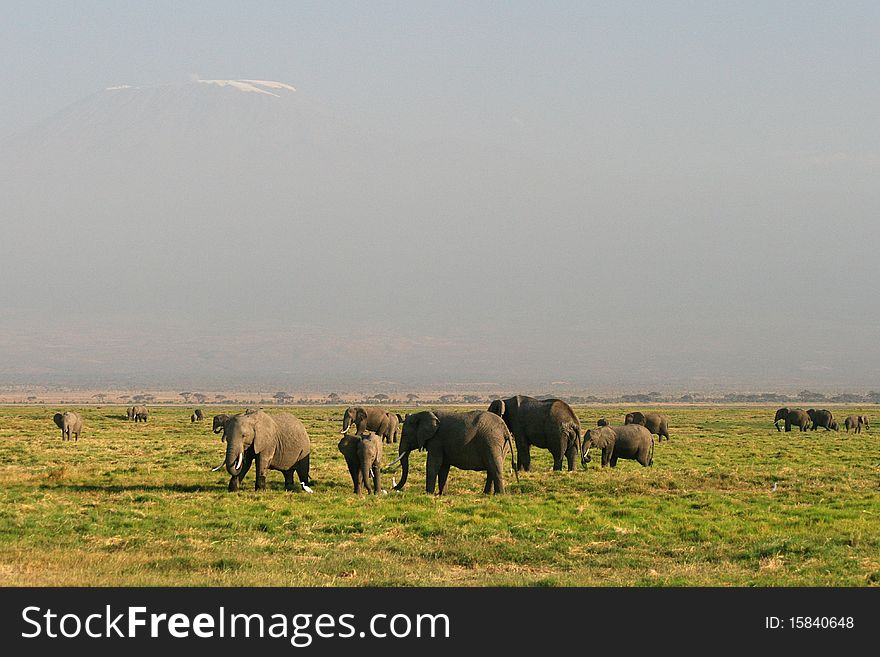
(59, 420)
(263, 427)
(426, 428)
(497, 407)
(360, 416)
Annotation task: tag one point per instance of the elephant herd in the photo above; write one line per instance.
(813, 419)
(472, 440)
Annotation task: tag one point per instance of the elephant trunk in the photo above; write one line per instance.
(585, 454)
(404, 463)
(346, 423)
(234, 457)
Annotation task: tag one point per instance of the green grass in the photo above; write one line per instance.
(137, 505)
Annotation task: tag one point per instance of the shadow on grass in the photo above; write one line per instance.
(134, 488)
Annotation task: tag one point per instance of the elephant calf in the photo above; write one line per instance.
(631, 441)
(856, 422)
(70, 424)
(363, 455)
(656, 423)
(219, 421)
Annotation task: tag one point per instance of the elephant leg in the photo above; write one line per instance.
(523, 455)
(557, 458)
(443, 476)
(261, 468)
(432, 469)
(355, 473)
(613, 462)
(606, 456)
(494, 474)
(288, 479)
(234, 483)
(302, 470)
(377, 474)
(570, 455)
(246, 462)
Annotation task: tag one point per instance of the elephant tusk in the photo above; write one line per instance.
(238, 461)
(394, 462)
(218, 467)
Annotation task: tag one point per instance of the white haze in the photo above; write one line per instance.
(658, 233)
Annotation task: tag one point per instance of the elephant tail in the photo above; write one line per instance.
(573, 431)
(508, 440)
(651, 455)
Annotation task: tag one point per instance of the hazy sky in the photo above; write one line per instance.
(616, 195)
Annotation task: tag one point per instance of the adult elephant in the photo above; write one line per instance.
(70, 424)
(821, 418)
(631, 441)
(547, 423)
(793, 417)
(129, 413)
(199, 415)
(475, 440)
(377, 420)
(363, 455)
(856, 422)
(140, 413)
(274, 442)
(656, 423)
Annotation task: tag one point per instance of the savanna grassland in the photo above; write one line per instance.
(134, 504)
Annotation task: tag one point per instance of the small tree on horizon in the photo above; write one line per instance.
(186, 396)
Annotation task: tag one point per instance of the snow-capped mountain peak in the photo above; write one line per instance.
(252, 86)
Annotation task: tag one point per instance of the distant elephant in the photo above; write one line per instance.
(377, 420)
(199, 415)
(630, 441)
(129, 413)
(820, 418)
(363, 455)
(834, 426)
(856, 422)
(475, 440)
(547, 423)
(793, 417)
(70, 424)
(656, 423)
(193, 418)
(140, 413)
(219, 420)
(602, 422)
(275, 442)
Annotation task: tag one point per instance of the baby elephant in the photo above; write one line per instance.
(631, 441)
(70, 424)
(363, 454)
(856, 422)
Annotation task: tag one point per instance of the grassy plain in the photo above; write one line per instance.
(137, 505)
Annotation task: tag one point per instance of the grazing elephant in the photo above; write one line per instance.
(219, 421)
(193, 418)
(129, 413)
(199, 415)
(856, 422)
(792, 417)
(656, 423)
(820, 418)
(140, 413)
(475, 440)
(275, 442)
(602, 422)
(377, 420)
(70, 424)
(631, 441)
(833, 426)
(363, 455)
(547, 423)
